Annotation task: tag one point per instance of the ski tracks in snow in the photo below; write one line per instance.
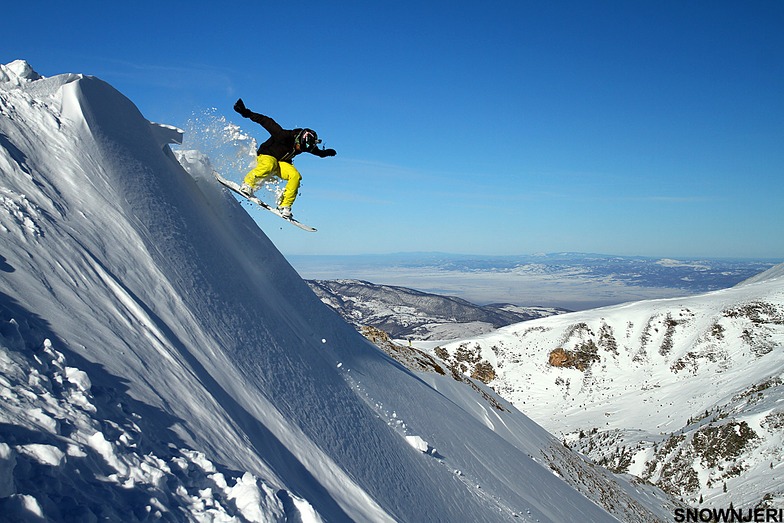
(416, 442)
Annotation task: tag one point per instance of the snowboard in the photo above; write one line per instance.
(236, 188)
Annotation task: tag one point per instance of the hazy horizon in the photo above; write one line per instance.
(575, 281)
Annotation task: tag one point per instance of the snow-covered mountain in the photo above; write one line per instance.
(685, 393)
(408, 313)
(162, 360)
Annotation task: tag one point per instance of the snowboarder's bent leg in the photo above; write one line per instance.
(291, 174)
(265, 166)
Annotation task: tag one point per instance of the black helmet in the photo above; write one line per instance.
(307, 139)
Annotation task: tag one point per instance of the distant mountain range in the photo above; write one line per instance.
(408, 313)
(574, 281)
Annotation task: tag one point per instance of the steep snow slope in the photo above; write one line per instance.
(686, 393)
(170, 347)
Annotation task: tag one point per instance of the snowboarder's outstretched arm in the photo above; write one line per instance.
(268, 123)
(323, 153)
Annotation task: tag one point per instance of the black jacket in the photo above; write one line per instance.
(280, 144)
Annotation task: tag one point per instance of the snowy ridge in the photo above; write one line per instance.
(774, 273)
(190, 373)
(685, 393)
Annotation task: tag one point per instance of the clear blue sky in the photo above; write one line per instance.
(622, 127)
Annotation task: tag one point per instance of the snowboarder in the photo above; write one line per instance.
(274, 157)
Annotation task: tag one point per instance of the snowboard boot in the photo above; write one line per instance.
(246, 189)
(285, 212)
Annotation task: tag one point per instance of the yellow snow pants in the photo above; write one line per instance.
(267, 166)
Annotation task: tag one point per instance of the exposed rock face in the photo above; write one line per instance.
(560, 358)
(579, 359)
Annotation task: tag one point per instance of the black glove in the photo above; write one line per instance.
(330, 152)
(240, 108)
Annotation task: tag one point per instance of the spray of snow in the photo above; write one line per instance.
(231, 150)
